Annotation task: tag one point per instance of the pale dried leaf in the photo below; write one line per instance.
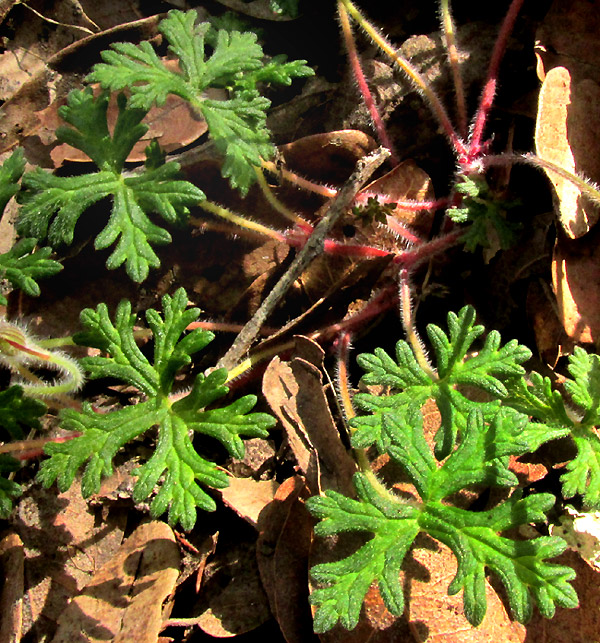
(123, 601)
(282, 554)
(575, 275)
(567, 136)
(294, 390)
(248, 497)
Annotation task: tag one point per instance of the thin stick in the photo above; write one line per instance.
(313, 247)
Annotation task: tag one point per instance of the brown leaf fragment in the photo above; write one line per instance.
(64, 546)
(550, 337)
(282, 553)
(294, 390)
(123, 601)
(12, 566)
(567, 136)
(327, 157)
(436, 617)
(248, 497)
(576, 282)
(57, 76)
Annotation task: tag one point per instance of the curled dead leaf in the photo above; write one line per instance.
(329, 157)
(567, 136)
(576, 282)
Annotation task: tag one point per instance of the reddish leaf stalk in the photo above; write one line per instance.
(361, 81)
(415, 77)
(412, 258)
(489, 90)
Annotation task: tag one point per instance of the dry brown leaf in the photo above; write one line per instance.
(12, 569)
(567, 133)
(282, 553)
(567, 136)
(294, 390)
(64, 546)
(329, 157)
(19, 118)
(232, 597)
(248, 497)
(173, 125)
(123, 601)
(436, 617)
(575, 278)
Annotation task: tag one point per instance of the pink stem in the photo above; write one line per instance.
(489, 91)
(412, 258)
(383, 301)
(363, 86)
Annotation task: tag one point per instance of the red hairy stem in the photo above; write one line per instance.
(382, 301)
(361, 81)
(489, 90)
(410, 259)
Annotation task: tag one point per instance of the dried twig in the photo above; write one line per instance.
(313, 247)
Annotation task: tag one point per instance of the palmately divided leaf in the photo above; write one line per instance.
(478, 439)
(52, 205)
(236, 63)
(174, 467)
(491, 370)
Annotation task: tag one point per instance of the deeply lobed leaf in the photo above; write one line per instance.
(236, 62)
(477, 439)
(52, 205)
(175, 469)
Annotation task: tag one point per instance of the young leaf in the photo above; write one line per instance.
(490, 370)
(238, 124)
(485, 213)
(52, 205)
(175, 468)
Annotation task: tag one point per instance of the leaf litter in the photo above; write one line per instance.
(283, 523)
